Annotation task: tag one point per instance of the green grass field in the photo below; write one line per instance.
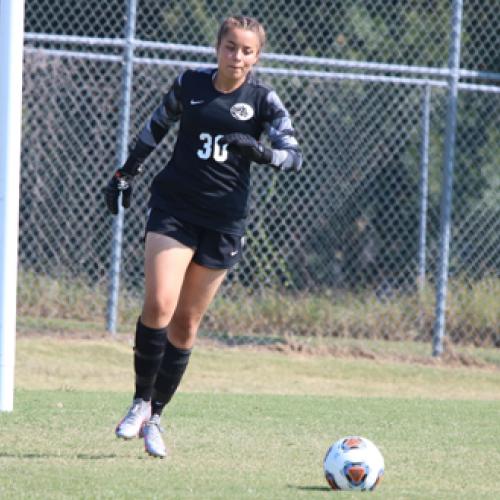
(247, 424)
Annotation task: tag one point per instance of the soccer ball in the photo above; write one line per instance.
(353, 463)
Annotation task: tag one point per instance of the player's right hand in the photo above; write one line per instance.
(120, 183)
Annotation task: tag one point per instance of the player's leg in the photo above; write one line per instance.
(216, 253)
(198, 290)
(166, 261)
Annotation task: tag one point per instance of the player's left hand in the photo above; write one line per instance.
(120, 183)
(248, 147)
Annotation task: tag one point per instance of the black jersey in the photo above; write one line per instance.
(203, 182)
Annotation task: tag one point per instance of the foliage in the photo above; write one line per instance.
(472, 316)
(359, 239)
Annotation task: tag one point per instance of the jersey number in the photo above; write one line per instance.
(211, 147)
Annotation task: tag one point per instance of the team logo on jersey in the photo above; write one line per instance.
(242, 111)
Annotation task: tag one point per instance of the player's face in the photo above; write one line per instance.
(237, 53)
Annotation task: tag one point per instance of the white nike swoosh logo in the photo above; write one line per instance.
(234, 253)
(194, 102)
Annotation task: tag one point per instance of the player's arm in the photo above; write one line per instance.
(155, 129)
(284, 153)
(148, 138)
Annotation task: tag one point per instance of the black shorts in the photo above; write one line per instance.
(212, 249)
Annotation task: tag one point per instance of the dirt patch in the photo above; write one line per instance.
(450, 357)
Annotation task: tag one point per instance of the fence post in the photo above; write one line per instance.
(126, 90)
(424, 186)
(447, 182)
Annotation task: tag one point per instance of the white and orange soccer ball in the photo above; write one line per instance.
(353, 463)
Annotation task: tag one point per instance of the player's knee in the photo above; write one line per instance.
(184, 326)
(157, 311)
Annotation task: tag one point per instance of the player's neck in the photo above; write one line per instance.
(225, 85)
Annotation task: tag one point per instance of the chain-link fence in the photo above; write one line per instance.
(350, 247)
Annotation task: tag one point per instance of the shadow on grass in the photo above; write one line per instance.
(309, 488)
(80, 456)
(84, 456)
(241, 340)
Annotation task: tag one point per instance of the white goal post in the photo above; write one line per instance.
(11, 64)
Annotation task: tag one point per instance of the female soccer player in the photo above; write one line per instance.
(199, 205)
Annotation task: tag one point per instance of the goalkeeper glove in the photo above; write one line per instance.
(246, 146)
(121, 182)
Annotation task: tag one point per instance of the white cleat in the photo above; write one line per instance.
(153, 442)
(132, 423)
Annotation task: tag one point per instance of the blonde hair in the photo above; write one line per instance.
(242, 22)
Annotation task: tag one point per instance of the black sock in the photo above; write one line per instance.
(148, 353)
(172, 369)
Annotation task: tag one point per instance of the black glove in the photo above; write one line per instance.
(119, 183)
(246, 146)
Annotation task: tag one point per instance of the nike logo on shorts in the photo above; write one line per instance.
(194, 102)
(235, 252)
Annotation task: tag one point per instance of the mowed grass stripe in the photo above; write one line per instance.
(60, 444)
(46, 363)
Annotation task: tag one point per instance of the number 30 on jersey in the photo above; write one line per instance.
(212, 148)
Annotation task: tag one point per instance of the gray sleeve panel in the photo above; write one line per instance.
(164, 116)
(279, 128)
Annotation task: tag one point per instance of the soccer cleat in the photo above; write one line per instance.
(153, 442)
(132, 423)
